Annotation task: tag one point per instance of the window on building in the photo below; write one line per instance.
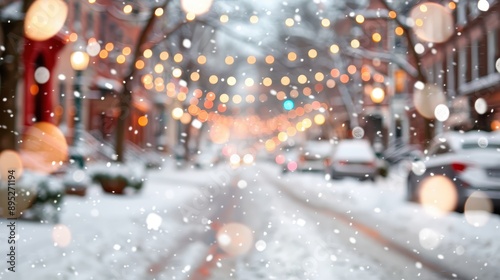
(468, 62)
(438, 76)
(482, 56)
(462, 67)
(461, 13)
(451, 69)
(119, 36)
(62, 102)
(102, 26)
(77, 15)
(444, 71)
(493, 52)
(90, 24)
(473, 10)
(474, 61)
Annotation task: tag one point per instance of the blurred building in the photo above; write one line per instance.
(464, 67)
(108, 32)
(380, 61)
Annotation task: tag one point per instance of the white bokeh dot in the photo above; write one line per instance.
(78, 175)
(419, 48)
(358, 132)
(42, 75)
(482, 142)
(93, 48)
(154, 221)
(483, 5)
(429, 238)
(481, 106)
(441, 112)
(260, 245)
(242, 184)
(418, 167)
(497, 65)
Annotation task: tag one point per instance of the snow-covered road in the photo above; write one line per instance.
(255, 223)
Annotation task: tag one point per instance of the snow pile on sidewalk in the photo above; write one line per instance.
(105, 236)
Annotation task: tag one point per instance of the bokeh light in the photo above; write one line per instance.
(260, 245)
(426, 98)
(478, 208)
(235, 239)
(483, 5)
(438, 195)
(280, 159)
(44, 147)
(248, 159)
(319, 119)
(377, 95)
(481, 106)
(270, 145)
(358, 132)
(185, 118)
(44, 19)
(93, 48)
(235, 159)
(142, 120)
(288, 105)
(334, 48)
(433, 22)
(10, 160)
(42, 75)
(196, 7)
(153, 221)
(292, 166)
(177, 113)
(282, 136)
(355, 43)
(61, 235)
(441, 112)
(219, 133)
(429, 238)
(418, 167)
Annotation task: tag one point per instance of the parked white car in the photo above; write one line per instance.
(315, 155)
(354, 158)
(470, 160)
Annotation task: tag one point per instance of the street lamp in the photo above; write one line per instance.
(79, 62)
(377, 96)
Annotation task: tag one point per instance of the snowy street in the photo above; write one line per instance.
(255, 223)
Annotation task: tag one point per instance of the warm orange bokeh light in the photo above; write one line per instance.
(344, 78)
(495, 125)
(142, 121)
(219, 133)
(269, 59)
(399, 31)
(44, 19)
(10, 160)
(438, 195)
(34, 89)
(44, 147)
(334, 73)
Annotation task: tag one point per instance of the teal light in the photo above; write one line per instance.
(288, 105)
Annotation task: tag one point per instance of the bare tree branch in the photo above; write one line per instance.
(411, 43)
